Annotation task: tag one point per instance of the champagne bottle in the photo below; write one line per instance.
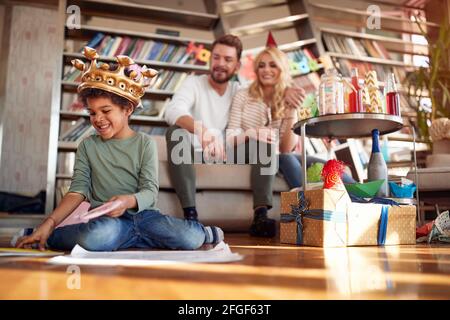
(377, 168)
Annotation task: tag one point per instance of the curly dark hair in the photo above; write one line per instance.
(97, 93)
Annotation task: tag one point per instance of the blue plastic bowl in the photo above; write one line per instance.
(402, 191)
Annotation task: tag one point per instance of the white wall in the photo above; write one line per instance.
(30, 71)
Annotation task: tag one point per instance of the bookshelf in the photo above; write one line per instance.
(290, 25)
(391, 44)
(146, 13)
(330, 13)
(69, 124)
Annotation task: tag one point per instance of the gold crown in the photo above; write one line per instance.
(131, 87)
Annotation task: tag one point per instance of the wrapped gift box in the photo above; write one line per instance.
(326, 203)
(328, 218)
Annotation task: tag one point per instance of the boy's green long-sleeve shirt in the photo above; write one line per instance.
(107, 168)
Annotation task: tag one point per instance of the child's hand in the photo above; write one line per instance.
(40, 235)
(126, 202)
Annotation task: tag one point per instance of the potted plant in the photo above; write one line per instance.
(432, 81)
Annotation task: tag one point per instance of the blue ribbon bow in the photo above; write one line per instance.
(382, 230)
(301, 210)
(296, 215)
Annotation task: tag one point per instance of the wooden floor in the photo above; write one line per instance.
(269, 270)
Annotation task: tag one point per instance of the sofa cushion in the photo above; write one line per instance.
(438, 160)
(214, 177)
(230, 210)
(431, 179)
(220, 177)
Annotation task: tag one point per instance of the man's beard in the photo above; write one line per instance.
(220, 80)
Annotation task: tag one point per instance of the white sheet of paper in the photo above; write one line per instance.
(79, 256)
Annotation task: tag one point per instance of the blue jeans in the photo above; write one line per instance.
(147, 229)
(290, 166)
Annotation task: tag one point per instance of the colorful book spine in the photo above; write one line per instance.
(95, 41)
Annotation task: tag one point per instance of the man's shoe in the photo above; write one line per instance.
(262, 226)
(265, 228)
(190, 214)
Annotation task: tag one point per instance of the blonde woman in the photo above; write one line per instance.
(261, 113)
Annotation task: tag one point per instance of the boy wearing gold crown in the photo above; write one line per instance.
(116, 165)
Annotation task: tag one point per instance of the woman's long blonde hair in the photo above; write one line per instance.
(256, 91)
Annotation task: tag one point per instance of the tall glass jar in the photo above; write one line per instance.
(331, 93)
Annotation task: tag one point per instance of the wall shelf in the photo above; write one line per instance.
(237, 6)
(286, 47)
(391, 44)
(156, 94)
(63, 176)
(149, 63)
(87, 32)
(354, 17)
(396, 3)
(271, 25)
(369, 59)
(146, 13)
(64, 146)
(134, 119)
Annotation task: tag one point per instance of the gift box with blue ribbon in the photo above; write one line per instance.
(328, 218)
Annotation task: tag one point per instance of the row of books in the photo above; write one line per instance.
(299, 54)
(345, 66)
(167, 80)
(152, 108)
(81, 129)
(72, 75)
(356, 47)
(141, 49)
